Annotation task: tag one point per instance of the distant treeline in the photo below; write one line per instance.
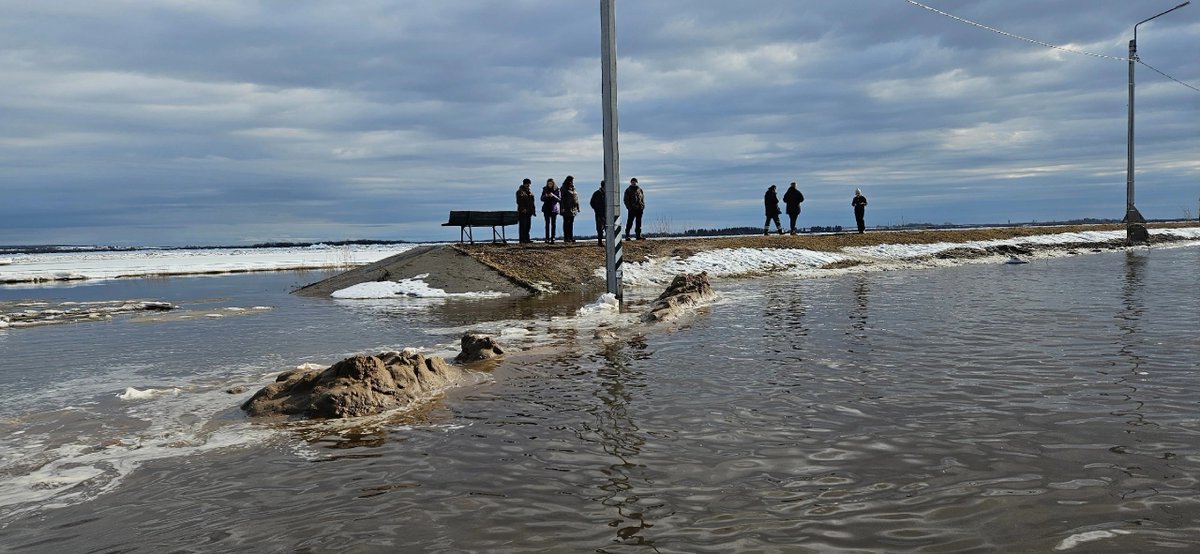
(726, 231)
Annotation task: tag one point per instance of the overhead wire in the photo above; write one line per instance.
(1047, 44)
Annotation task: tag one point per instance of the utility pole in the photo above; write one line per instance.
(612, 174)
(1135, 224)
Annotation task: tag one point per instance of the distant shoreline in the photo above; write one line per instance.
(552, 268)
(560, 268)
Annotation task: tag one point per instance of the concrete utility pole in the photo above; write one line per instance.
(612, 172)
(1135, 224)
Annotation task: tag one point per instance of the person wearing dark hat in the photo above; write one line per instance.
(771, 203)
(635, 202)
(526, 207)
(792, 199)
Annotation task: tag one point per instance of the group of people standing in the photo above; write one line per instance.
(792, 199)
(565, 202)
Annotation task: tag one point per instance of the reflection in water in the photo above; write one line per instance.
(784, 320)
(858, 315)
(621, 438)
(1129, 322)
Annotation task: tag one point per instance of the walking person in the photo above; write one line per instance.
(550, 202)
(526, 207)
(599, 204)
(791, 200)
(635, 203)
(570, 207)
(771, 203)
(860, 209)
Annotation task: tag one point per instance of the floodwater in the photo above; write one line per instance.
(991, 408)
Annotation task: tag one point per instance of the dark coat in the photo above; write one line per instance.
(525, 202)
(599, 202)
(771, 202)
(570, 201)
(859, 203)
(792, 199)
(635, 199)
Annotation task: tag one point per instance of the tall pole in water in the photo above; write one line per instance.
(1135, 228)
(612, 165)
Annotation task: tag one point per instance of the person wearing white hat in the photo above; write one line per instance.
(860, 209)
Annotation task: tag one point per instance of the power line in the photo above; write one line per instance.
(1168, 76)
(1018, 37)
(1047, 44)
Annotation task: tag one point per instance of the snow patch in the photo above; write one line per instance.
(135, 394)
(412, 288)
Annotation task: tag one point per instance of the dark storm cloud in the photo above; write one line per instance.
(222, 121)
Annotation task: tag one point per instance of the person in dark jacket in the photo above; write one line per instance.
(860, 209)
(550, 201)
(599, 204)
(791, 200)
(771, 203)
(526, 207)
(635, 203)
(569, 208)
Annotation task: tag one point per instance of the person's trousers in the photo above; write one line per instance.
(792, 221)
(551, 226)
(770, 218)
(524, 222)
(635, 223)
(568, 228)
(600, 228)
(858, 217)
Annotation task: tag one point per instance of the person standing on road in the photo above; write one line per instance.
(860, 209)
(570, 207)
(771, 203)
(599, 204)
(635, 203)
(550, 201)
(791, 200)
(526, 207)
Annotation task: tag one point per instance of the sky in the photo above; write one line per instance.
(206, 122)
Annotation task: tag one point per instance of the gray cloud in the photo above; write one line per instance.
(144, 121)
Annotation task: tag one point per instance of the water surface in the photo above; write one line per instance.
(982, 408)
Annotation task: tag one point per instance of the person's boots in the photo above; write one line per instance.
(766, 231)
(781, 231)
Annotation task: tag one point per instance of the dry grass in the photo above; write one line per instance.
(567, 266)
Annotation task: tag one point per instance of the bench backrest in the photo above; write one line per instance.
(482, 219)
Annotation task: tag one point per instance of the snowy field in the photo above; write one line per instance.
(77, 266)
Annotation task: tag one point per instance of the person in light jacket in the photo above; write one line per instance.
(569, 208)
(771, 204)
(550, 201)
(526, 207)
(860, 209)
(599, 204)
(791, 200)
(635, 203)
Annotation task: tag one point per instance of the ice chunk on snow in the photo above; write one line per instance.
(606, 304)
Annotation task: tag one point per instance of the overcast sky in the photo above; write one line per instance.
(173, 122)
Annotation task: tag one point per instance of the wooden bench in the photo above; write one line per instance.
(465, 220)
